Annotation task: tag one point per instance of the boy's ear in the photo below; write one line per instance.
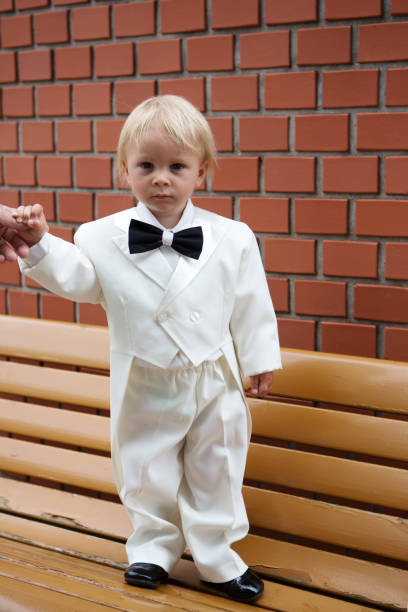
(125, 173)
(202, 172)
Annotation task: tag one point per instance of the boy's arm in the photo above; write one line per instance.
(253, 322)
(58, 265)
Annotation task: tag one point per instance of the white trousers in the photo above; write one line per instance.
(182, 440)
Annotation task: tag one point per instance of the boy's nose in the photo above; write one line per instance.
(161, 178)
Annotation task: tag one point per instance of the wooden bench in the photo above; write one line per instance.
(326, 483)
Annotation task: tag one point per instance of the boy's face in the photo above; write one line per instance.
(163, 175)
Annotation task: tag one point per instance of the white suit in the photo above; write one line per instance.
(219, 302)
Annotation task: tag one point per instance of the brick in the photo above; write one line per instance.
(45, 198)
(129, 94)
(321, 216)
(264, 133)
(107, 135)
(23, 303)
(90, 23)
(74, 136)
(93, 172)
(383, 42)
(238, 92)
(345, 88)
(23, 5)
(16, 31)
(352, 9)
(54, 171)
(290, 90)
(35, 65)
(265, 214)
(382, 218)
(193, 89)
(134, 19)
(65, 233)
(73, 62)
(205, 53)
(279, 290)
(222, 129)
(396, 343)
(265, 49)
(10, 273)
(51, 27)
(160, 56)
(20, 170)
(396, 175)
(57, 309)
(234, 13)
(3, 306)
(221, 205)
(62, 2)
(290, 174)
(8, 67)
(382, 131)
(10, 197)
(350, 258)
(399, 7)
(396, 260)
(296, 11)
(324, 298)
(110, 204)
(349, 339)
(290, 255)
(8, 136)
(182, 16)
(114, 60)
(92, 99)
(6, 5)
(92, 314)
(38, 136)
(75, 207)
(355, 174)
(327, 45)
(54, 100)
(397, 87)
(236, 174)
(381, 303)
(297, 334)
(18, 101)
(322, 132)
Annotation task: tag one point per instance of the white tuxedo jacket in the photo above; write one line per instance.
(219, 302)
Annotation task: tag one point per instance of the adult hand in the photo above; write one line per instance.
(11, 243)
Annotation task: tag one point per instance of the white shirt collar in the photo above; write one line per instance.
(186, 219)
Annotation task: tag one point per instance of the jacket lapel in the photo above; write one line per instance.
(188, 268)
(151, 263)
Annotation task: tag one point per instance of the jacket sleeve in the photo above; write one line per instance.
(65, 269)
(253, 322)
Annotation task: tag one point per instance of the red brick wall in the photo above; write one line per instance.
(307, 100)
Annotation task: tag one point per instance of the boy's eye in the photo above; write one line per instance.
(146, 165)
(177, 166)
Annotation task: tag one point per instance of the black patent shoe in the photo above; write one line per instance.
(245, 588)
(147, 575)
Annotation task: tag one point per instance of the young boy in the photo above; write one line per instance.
(189, 311)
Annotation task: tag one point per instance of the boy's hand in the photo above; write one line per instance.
(261, 383)
(32, 224)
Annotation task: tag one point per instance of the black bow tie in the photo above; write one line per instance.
(146, 237)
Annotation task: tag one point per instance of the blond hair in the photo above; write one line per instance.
(178, 118)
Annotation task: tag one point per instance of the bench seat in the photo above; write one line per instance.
(326, 482)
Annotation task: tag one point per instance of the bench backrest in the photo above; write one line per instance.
(327, 474)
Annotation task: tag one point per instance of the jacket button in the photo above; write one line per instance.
(195, 316)
(163, 316)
